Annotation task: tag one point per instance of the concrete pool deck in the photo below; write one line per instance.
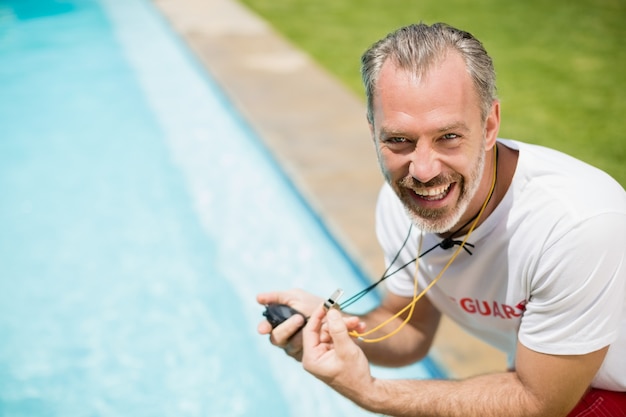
(316, 130)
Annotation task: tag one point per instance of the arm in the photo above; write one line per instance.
(408, 346)
(412, 343)
(542, 385)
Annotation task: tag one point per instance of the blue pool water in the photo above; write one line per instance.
(139, 216)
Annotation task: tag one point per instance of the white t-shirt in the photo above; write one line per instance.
(548, 266)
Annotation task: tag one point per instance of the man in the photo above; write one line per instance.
(521, 245)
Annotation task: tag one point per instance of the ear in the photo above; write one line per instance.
(492, 125)
(372, 131)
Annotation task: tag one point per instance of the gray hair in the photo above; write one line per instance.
(416, 48)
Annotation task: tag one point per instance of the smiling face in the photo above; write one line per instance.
(432, 141)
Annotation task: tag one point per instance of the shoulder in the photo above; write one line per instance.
(389, 208)
(553, 185)
(562, 218)
(392, 220)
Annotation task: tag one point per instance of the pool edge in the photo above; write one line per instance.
(290, 102)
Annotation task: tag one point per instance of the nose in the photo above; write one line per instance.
(424, 164)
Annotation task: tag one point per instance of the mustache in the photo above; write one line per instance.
(412, 183)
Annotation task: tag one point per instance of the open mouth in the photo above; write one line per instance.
(434, 193)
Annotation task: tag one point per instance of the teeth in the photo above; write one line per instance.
(433, 192)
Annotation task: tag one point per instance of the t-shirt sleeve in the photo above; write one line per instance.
(578, 289)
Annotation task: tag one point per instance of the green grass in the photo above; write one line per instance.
(561, 64)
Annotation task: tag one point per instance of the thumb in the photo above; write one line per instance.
(337, 329)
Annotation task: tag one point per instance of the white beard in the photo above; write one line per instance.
(437, 221)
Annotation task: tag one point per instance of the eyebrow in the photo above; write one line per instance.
(454, 126)
(458, 126)
(391, 132)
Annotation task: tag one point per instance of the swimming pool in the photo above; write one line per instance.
(139, 216)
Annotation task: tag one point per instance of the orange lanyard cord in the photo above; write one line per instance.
(417, 297)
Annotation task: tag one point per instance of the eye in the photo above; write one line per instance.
(395, 140)
(397, 143)
(450, 136)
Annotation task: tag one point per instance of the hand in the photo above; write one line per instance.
(287, 335)
(331, 354)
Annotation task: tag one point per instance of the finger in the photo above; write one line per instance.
(354, 323)
(268, 298)
(294, 347)
(311, 332)
(337, 329)
(324, 335)
(294, 351)
(264, 327)
(282, 334)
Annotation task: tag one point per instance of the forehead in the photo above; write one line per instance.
(443, 95)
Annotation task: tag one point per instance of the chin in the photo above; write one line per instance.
(434, 221)
(431, 225)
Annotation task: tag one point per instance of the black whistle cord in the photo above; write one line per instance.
(445, 244)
